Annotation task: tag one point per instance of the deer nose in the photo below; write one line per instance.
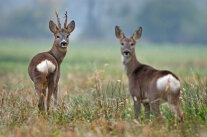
(126, 53)
(63, 43)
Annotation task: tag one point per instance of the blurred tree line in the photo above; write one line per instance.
(176, 21)
(26, 20)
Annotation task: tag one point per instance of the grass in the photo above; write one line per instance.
(93, 91)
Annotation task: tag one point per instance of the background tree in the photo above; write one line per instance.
(92, 29)
(27, 21)
(172, 21)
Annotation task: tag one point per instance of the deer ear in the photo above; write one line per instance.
(119, 33)
(53, 27)
(137, 34)
(71, 26)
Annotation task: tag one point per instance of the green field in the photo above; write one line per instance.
(93, 91)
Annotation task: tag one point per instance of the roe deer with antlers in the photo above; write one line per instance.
(148, 85)
(44, 68)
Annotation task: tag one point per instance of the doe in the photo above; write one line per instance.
(44, 68)
(148, 85)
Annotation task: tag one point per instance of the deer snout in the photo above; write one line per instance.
(63, 43)
(126, 53)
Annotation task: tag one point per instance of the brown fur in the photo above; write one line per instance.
(143, 78)
(49, 80)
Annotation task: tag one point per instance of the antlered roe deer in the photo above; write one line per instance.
(44, 68)
(148, 85)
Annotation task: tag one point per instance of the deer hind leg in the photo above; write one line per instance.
(178, 112)
(147, 110)
(41, 90)
(50, 91)
(55, 93)
(175, 105)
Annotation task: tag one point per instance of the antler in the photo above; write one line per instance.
(66, 17)
(58, 20)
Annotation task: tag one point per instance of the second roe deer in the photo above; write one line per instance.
(148, 85)
(44, 68)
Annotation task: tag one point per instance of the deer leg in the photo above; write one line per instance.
(50, 91)
(137, 107)
(175, 105)
(147, 110)
(174, 102)
(178, 112)
(155, 109)
(55, 95)
(41, 92)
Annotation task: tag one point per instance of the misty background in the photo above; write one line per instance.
(163, 21)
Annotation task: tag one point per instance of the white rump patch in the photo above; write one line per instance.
(46, 66)
(168, 82)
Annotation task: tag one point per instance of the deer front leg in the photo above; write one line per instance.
(55, 96)
(137, 107)
(147, 110)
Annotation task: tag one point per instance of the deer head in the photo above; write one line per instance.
(128, 44)
(61, 34)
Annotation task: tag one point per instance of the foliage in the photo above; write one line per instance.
(26, 20)
(173, 21)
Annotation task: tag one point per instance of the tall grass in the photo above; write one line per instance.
(93, 97)
(102, 110)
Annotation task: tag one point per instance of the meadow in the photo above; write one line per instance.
(93, 98)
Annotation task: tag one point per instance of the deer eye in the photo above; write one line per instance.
(122, 43)
(57, 36)
(132, 44)
(67, 36)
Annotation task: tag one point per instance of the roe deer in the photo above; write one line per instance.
(146, 84)
(44, 68)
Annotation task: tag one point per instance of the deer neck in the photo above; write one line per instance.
(130, 64)
(58, 53)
